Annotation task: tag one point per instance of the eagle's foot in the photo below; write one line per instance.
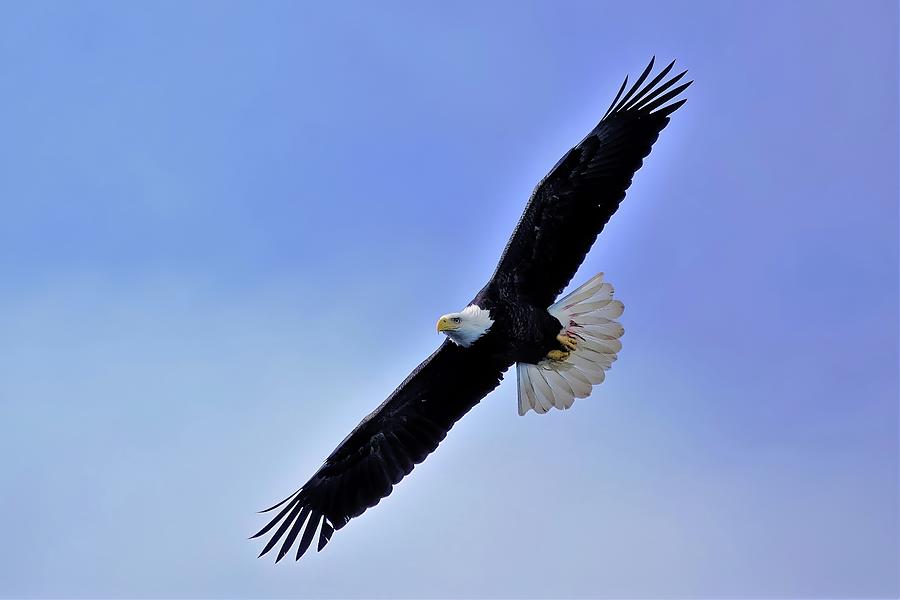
(567, 341)
(558, 355)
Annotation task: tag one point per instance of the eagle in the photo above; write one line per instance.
(561, 347)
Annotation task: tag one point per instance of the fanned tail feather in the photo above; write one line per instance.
(589, 315)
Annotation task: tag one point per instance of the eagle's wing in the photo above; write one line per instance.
(570, 206)
(384, 447)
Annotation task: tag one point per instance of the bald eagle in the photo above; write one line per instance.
(561, 348)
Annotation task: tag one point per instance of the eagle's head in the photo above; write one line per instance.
(466, 326)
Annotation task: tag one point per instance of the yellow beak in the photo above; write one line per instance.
(445, 324)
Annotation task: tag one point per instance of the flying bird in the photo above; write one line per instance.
(561, 347)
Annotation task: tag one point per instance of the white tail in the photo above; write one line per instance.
(589, 316)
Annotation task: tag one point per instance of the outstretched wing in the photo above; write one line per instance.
(384, 447)
(571, 205)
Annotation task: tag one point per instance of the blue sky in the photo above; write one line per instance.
(223, 241)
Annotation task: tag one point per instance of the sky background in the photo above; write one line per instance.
(227, 230)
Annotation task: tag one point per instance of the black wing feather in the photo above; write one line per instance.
(324, 535)
(573, 203)
(652, 85)
(308, 534)
(650, 106)
(295, 529)
(385, 446)
(616, 99)
(637, 84)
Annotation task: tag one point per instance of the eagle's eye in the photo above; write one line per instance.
(456, 319)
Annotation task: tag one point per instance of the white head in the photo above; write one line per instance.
(466, 326)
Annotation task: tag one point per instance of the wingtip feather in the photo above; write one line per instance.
(324, 534)
(616, 99)
(652, 106)
(637, 84)
(651, 96)
(271, 508)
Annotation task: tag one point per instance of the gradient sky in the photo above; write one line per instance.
(227, 230)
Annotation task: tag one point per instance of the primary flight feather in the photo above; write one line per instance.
(561, 348)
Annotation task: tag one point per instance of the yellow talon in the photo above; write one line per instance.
(558, 355)
(567, 341)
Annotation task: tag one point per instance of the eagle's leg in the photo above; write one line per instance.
(558, 355)
(566, 341)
